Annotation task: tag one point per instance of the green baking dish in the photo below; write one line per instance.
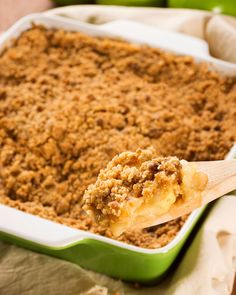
(88, 250)
(135, 264)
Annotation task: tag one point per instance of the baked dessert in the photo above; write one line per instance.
(137, 188)
(70, 102)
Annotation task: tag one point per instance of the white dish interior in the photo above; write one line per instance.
(51, 234)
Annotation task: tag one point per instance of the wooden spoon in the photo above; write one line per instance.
(221, 180)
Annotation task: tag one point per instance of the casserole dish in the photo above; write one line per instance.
(90, 250)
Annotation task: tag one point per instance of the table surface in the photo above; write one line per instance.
(9, 14)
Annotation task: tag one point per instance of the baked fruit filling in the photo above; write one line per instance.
(138, 187)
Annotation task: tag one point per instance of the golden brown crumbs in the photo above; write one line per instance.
(69, 103)
(134, 185)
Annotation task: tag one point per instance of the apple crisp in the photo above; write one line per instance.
(70, 102)
(137, 188)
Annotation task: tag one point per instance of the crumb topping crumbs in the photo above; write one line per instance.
(70, 102)
(128, 177)
(140, 186)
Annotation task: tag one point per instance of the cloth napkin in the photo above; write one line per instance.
(209, 264)
(217, 30)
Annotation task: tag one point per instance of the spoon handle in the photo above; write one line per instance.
(221, 178)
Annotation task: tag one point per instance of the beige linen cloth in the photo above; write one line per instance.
(209, 264)
(217, 30)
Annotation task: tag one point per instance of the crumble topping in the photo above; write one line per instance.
(138, 187)
(70, 102)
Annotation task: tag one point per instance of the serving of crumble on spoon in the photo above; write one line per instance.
(139, 189)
